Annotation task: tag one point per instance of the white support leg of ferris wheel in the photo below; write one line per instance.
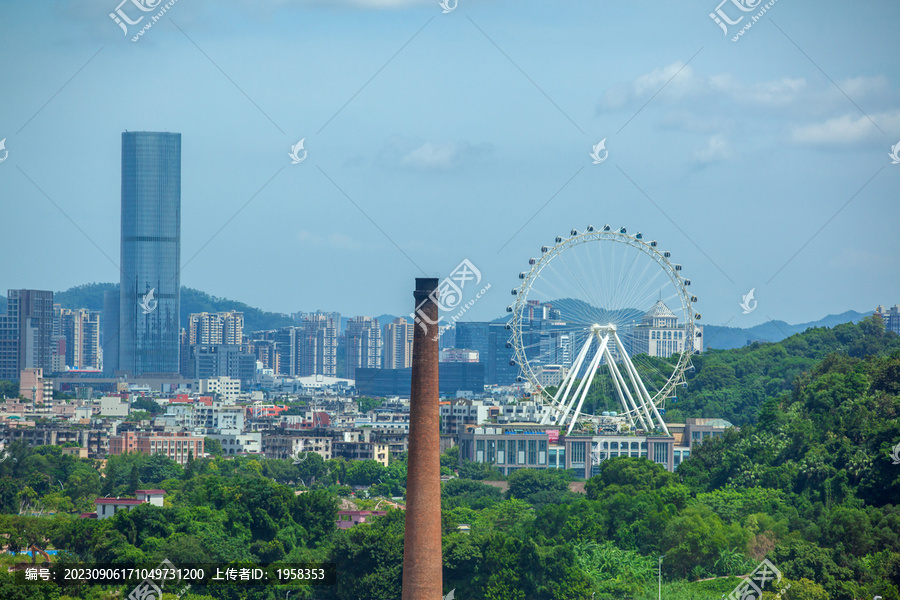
(595, 363)
(634, 377)
(625, 410)
(625, 396)
(566, 383)
(568, 401)
(646, 400)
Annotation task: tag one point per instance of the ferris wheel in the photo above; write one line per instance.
(608, 302)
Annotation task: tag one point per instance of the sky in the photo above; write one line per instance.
(433, 137)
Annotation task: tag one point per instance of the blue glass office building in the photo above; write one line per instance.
(150, 290)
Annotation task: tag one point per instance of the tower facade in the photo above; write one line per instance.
(150, 289)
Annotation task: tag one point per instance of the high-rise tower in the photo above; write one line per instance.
(150, 289)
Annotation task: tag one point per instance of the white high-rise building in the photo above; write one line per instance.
(211, 329)
(398, 342)
(363, 345)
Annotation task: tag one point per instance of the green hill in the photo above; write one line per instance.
(192, 301)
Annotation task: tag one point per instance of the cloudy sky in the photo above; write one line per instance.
(434, 137)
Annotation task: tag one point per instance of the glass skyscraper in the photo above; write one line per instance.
(150, 289)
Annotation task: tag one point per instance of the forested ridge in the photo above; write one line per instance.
(807, 481)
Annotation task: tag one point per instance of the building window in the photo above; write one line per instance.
(501, 451)
(521, 453)
(542, 452)
(492, 450)
(578, 453)
(660, 454)
(532, 452)
(479, 451)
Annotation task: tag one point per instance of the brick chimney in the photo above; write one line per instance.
(422, 562)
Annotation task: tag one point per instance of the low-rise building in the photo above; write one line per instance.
(178, 446)
(527, 445)
(362, 450)
(34, 387)
(108, 507)
(348, 518)
(227, 389)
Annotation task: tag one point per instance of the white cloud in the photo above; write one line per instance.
(676, 83)
(716, 149)
(427, 155)
(847, 129)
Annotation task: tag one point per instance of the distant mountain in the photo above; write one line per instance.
(724, 338)
(90, 296)
(714, 336)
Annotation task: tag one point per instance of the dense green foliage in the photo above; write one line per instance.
(810, 485)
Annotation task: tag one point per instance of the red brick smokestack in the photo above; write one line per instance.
(422, 562)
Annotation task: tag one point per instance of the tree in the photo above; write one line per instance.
(525, 482)
(468, 493)
(213, 446)
(364, 472)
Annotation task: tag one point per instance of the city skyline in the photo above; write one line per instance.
(756, 173)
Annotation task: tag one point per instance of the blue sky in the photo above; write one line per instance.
(434, 138)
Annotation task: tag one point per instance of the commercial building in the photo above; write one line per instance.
(490, 341)
(207, 362)
(396, 382)
(26, 333)
(150, 287)
(459, 355)
(527, 445)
